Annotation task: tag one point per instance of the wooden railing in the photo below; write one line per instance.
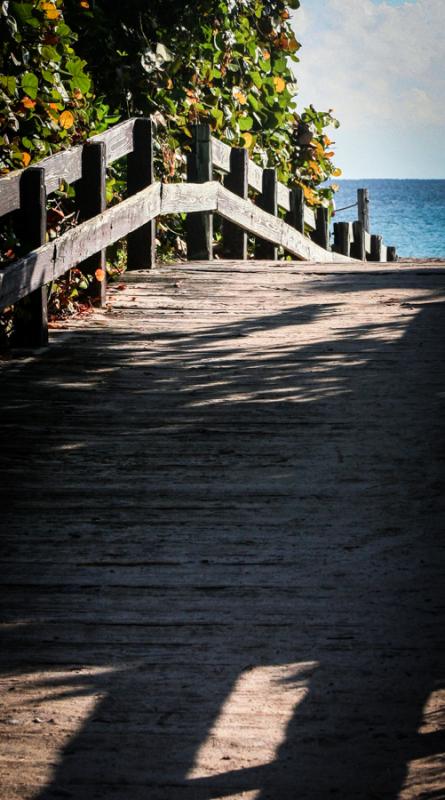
(303, 233)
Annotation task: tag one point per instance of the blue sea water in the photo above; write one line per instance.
(409, 214)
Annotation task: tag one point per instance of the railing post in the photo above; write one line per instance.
(358, 248)
(342, 238)
(31, 313)
(200, 170)
(295, 217)
(237, 181)
(141, 245)
(363, 208)
(391, 254)
(321, 234)
(91, 202)
(376, 247)
(267, 200)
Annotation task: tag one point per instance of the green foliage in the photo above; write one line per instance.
(46, 98)
(66, 63)
(220, 61)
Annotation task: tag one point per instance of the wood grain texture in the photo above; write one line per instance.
(51, 260)
(67, 165)
(222, 554)
(254, 219)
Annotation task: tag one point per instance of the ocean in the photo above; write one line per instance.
(409, 214)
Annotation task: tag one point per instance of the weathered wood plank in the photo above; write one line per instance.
(283, 196)
(240, 492)
(221, 155)
(66, 165)
(309, 218)
(255, 176)
(48, 262)
(189, 197)
(260, 223)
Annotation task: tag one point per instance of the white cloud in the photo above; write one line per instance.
(378, 65)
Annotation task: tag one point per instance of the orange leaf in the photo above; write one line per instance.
(241, 97)
(50, 10)
(100, 275)
(337, 172)
(266, 55)
(314, 167)
(66, 119)
(248, 140)
(28, 103)
(85, 4)
(331, 154)
(26, 158)
(279, 84)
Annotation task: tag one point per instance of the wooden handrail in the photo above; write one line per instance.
(304, 234)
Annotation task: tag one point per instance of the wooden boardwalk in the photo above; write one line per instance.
(222, 536)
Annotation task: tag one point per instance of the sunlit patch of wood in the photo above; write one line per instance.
(253, 721)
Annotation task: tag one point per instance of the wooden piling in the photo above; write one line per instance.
(363, 208)
(200, 170)
(237, 181)
(92, 201)
(141, 244)
(31, 314)
(295, 216)
(358, 248)
(267, 200)
(321, 233)
(342, 238)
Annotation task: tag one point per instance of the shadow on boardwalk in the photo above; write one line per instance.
(191, 523)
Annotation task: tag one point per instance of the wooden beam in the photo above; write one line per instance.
(283, 196)
(50, 261)
(221, 155)
(180, 198)
(255, 176)
(275, 230)
(267, 201)
(66, 165)
(30, 324)
(200, 170)
(237, 181)
(309, 218)
(141, 252)
(91, 197)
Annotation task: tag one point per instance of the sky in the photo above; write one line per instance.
(380, 64)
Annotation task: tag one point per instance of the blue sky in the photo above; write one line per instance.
(380, 64)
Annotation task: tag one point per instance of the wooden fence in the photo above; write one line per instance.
(302, 232)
